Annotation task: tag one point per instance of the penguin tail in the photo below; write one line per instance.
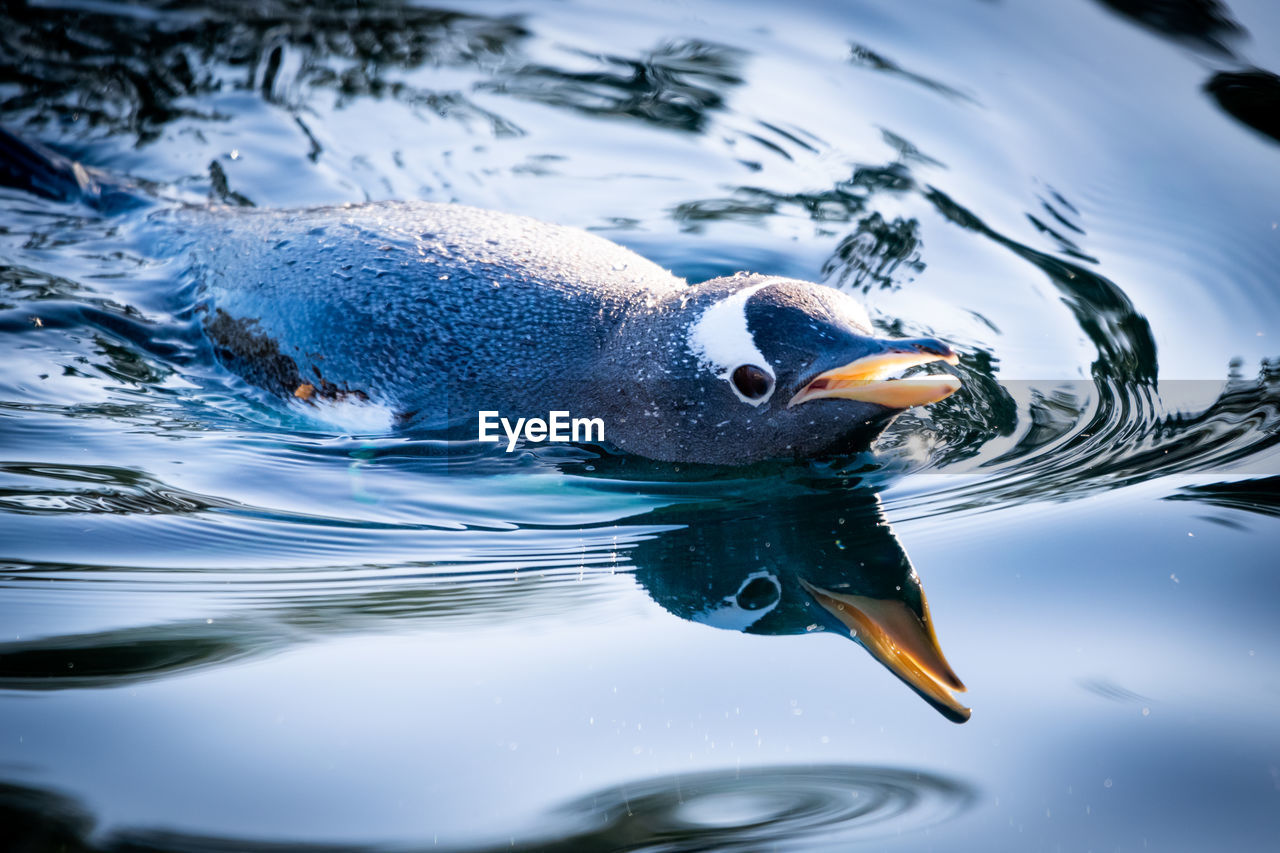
(29, 166)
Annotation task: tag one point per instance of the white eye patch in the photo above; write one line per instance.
(723, 343)
(729, 613)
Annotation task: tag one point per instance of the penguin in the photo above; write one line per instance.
(435, 313)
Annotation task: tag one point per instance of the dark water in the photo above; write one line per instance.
(226, 625)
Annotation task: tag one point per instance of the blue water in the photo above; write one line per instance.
(226, 624)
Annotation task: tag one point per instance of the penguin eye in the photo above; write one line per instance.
(752, 382)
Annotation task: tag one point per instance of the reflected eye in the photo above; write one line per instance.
(759, 593)
(752, 382)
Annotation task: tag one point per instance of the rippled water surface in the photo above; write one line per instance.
(225, 623)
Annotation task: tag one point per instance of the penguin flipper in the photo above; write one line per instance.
(37, 169)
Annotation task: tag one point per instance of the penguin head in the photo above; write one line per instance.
(745, 368)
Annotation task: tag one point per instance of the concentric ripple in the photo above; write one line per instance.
(776, 808)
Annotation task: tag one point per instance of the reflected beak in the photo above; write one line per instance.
(869, 378)
(902, 641)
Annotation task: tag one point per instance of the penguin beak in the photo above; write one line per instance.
(870, 379)
(902, 641)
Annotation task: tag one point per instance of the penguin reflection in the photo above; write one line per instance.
(816, 561)
(767, 558)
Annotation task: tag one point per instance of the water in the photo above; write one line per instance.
(227, 625)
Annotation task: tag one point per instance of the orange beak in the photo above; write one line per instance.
(869, 379)
(902, 641)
